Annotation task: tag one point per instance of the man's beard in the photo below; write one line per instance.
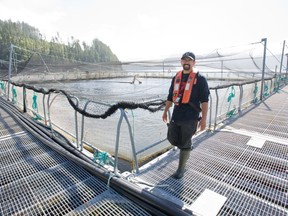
(186, 67)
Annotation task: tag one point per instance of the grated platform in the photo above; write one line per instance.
(254, 179)
(245, 162)
(36, 180)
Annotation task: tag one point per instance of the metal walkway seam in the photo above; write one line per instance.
(256, 135)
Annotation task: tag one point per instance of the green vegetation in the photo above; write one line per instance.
(27, 37)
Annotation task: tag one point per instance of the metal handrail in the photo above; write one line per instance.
(117, 140)
(132, 141)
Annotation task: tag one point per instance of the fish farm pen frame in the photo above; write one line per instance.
(238, 99)
(255, 185)
(271, 85)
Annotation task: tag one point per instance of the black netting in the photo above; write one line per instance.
(245, 60)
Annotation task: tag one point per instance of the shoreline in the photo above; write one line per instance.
(72, 76)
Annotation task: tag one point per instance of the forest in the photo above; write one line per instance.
(27, 37)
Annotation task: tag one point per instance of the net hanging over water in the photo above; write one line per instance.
(243, 58)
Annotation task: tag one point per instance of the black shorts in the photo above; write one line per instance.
(180, 133)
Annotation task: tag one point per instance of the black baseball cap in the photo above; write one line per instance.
(188, 55)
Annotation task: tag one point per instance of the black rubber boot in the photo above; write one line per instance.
(184, 156)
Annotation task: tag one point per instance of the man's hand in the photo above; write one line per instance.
(167, 106)
(202, 122)
(164, 117)
(202, 125)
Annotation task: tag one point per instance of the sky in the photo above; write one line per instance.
(155, 29)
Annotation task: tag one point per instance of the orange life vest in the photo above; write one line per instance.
(187, 90)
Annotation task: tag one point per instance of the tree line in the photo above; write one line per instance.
(30, 38)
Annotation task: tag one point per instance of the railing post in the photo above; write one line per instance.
(286, 69)
(48, 112)
(132, 143)
(263, 67)
(281, 63)
(216, 109)
(44, 109)
(76, 124)
(240, 98)
(82, 133)
(24, 100)
(117, 141)
(10, 70)
(210, 115)
(82, 128)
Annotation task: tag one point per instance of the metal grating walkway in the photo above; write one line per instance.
(245, 161)
(36, 180)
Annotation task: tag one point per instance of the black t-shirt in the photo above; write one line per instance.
(200, 94)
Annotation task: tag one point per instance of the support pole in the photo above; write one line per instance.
(10, 69)
(163, 68)
(281, 65)
(282, 55)
(263, 67)
(24, 100)
(286, 68)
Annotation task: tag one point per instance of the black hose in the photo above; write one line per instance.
(147, 200)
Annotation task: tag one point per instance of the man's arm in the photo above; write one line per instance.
(202, 122)
(169, 102)
(167, 106)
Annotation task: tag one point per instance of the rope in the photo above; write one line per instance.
(102, 158)
(266, 88)
(34, 104)
(14, 93)
(35, 107)
(2, 85)
(277, 83)
(230, 113)
(111, 175)
(150, 106)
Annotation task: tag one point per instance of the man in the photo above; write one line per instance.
(190, 94)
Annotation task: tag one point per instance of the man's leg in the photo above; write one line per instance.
(187, 131)
(184, 156)
(174, 134)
